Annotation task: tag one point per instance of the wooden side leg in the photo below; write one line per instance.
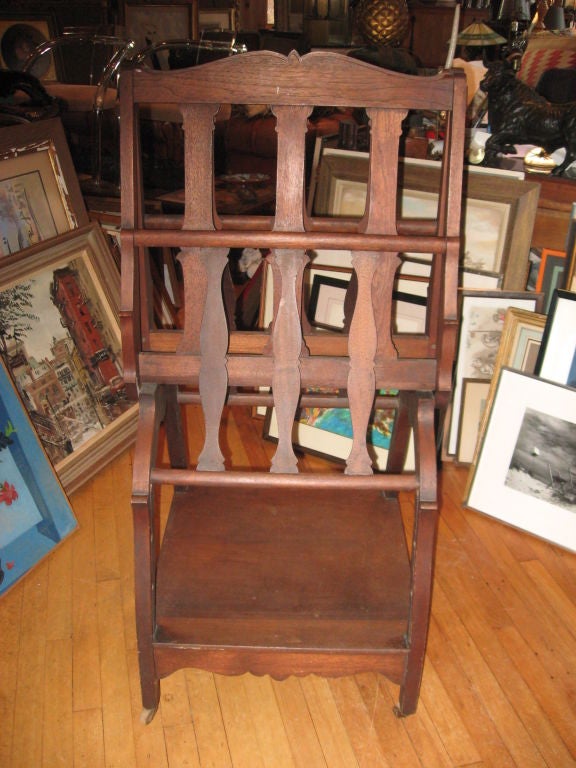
(422, 556)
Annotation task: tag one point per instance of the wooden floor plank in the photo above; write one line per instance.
(268, 724)
(359, 724)
(89, 738)
(116, 702)
(209, 728)
(394, 741)
(332, 734)
(302, 736)
(10, 631)
(240, 731)
(58, 723)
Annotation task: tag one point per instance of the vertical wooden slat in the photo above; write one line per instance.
(382, 300)
(385, 130)
(213, 379)
(199, 165)
(290, 202)
(361, 350)
(287, 345)
(195, 286)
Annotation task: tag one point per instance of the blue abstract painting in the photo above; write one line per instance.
(35, 514)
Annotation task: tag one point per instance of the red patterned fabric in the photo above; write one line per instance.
(546, 50)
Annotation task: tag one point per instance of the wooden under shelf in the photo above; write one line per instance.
(321, 574)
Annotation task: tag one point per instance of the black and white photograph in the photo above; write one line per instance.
(525, 471)
(544, 459)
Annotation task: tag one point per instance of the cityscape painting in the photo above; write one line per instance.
(59, 337)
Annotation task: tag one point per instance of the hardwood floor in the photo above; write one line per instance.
(499, 685)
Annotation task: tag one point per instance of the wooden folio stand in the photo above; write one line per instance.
(272, 570)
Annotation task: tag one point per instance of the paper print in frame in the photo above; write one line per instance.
(556, 360)
(482, 318)
(525, 475)
(60, 337)
(35, 515)
(40, 196)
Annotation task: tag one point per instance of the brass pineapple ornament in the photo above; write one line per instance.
(382, 22)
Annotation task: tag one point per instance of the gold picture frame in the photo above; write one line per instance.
(60, 339)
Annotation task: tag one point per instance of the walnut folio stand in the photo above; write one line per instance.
(273, 570)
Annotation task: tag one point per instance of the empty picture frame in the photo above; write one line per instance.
(557, 358)
(525, 474)
(60, 336)
(482, 316)
(40, 196)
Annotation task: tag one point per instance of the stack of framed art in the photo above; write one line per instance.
(524, 466)
(59, 298)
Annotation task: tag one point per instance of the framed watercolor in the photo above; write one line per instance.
(482, 315)
(35, 515)
(155, 22)
(474, 399)
(550, 274)
(525, 474)
(40, 196)
(499, 212)
(60, 338)
(20, 34)
(557, 358)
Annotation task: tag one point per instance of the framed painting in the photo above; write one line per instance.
(524, 475)
(550, 274)
(35, 515)
(20, 34)
(482, 316)
(557, 357)
(40, 196)
(327, 432)
(155, 22)
(498, 212)
(60, 339)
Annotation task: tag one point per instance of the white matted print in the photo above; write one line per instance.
(526, 469)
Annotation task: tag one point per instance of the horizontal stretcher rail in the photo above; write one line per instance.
(306, 400)
(331, 480)
(179, 238)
